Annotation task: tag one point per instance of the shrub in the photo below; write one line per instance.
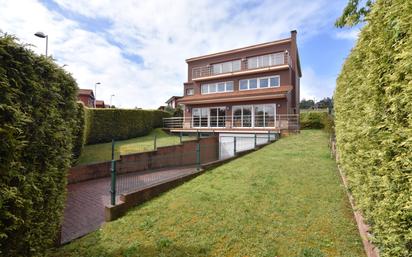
(37, 118)
(105, 124)
(80, 136)
(373, 109)
(316, 120)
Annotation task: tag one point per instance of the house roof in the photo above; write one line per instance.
(85, 92)
(173, 98)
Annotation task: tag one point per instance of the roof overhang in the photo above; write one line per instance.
(233, 99)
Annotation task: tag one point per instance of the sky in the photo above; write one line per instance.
(137, 49)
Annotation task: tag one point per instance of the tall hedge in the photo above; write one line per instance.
(103, 125)
(37, 117)
(373, 108)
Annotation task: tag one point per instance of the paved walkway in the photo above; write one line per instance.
(84, 210)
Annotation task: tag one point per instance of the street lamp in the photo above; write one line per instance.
(42, 35)
(111, 101)
(95, 92)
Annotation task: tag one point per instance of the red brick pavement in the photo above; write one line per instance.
(85, 203)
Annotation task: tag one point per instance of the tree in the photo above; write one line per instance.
(353, 14)
(306, 104)
(326, 102)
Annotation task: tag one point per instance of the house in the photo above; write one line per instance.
(87, 97)
(172, 102)
(100, 104)
(161, 108)
(254, 89)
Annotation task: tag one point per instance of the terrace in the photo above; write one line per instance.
(250, 65)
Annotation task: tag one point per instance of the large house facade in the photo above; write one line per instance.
(253, 89)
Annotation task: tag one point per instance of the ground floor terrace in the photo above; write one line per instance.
(234, 118)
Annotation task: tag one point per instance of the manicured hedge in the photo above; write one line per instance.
(79, 132)
(373, 108)
(103, 125)
(37, 119)
(316, 120)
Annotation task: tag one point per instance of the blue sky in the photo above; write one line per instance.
(137, 49)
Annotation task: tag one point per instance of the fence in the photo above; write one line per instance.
(276, 122)
(185, 158)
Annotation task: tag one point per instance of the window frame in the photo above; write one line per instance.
(190, 90)
(273, 106)
(258, 82)
(215, 84)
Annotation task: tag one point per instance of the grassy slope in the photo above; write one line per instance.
(284, 200)
(102, 152)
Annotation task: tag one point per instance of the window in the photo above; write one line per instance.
(226, 67)
(243, 84)
(254, 116)
(220, 87)
(209, 117)
(255, 83)
(274, 81)
(205, 89)
(264, 82)
(265, 60)
(190, 91)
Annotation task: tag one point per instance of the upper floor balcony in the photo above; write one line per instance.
(242, 66)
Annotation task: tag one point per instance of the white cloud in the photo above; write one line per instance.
(162, 33)
(349, 34)
(314, 86)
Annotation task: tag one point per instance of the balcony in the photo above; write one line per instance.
(255, 124)
(242, 66)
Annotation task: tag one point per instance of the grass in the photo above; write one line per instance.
(103, 152)
(283, 200)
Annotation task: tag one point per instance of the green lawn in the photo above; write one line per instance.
(103, 152)
(283, 200)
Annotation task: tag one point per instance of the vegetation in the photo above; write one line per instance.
(283, 200)
(373, 103)
(103, 125)
(325, 103)
(37, 120)
(102, 152)
(316, 120)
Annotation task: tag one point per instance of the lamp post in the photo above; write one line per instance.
(111, 101)
(95, 92)
(42, 35)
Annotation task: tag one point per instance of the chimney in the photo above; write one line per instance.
(293, 34)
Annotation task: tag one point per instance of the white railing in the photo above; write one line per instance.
(280, 121)
(275, 59)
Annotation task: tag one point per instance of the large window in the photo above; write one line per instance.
(226, 67)
(209, 117)
(254, 116)
(255, 83)
(220, 87)
(265, 60)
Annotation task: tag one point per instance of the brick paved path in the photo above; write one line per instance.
(85, 203)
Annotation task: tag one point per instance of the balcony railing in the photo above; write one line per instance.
(272, 60)
(245, 122)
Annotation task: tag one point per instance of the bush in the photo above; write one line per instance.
(373, 109)
(79, 132)
(316, 120)
(37, 119)
(103, 125)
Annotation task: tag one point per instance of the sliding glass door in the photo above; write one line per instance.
(257, 116)
(209, 117)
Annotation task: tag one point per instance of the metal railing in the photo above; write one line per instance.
(277, 122)
(273, 60)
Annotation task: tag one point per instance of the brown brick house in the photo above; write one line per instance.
(251, 89)
(87, 97)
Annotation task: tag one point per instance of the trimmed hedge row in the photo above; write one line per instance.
(316, 120)
(373, 109)
(102, 125)
(37, 120)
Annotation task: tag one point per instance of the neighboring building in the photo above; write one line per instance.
(253, 89)
(100, 104)
(161, 108)
(172, 102)
(86, 96)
